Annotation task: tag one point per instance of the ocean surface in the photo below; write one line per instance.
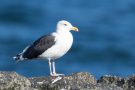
(105, 43)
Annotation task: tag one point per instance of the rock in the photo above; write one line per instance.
(109, 82)
(13, 81)
(75, 81)
(130, 83)
(108, 79)
(117, 83)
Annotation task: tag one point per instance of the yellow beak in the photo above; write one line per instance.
(75, 29)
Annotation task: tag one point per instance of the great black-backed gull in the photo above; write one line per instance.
(51, 46)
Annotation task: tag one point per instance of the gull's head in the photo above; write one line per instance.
(65, 25)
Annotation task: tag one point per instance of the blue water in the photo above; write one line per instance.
(104, 45)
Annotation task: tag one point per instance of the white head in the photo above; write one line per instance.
(66, 26)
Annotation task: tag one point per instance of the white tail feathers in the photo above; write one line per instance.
(18, 57)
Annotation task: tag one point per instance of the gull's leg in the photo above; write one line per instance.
(58, 76)
(53, 65)
(54, 70)
(50, 66)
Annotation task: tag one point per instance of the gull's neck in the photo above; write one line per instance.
(59, 31)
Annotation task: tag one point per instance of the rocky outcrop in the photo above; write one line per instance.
(75, 81)
(13, 81)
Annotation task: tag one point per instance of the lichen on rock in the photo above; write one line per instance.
(75, 81)
(13, 81)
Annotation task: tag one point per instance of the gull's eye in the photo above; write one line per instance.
(65, 24)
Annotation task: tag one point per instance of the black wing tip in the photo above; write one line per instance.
(17, 58)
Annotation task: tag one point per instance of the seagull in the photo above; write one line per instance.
(51, 46)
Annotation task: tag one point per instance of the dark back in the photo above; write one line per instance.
(39, 46)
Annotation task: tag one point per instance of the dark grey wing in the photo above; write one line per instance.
(39, 46)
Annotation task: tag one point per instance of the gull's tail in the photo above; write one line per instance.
(18, 57)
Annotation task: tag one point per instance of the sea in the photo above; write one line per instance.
(104, 45)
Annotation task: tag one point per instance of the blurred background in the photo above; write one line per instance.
(104, 45)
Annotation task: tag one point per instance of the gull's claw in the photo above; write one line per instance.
(56, 79)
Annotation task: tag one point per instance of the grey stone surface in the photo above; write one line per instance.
(109, 82)
(130, 83)
(13, 81)
(117, 83)
(75, 81)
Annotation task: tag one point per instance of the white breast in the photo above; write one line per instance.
(63, 44)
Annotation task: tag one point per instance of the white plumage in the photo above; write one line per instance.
(63, 43)
(51, 46)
